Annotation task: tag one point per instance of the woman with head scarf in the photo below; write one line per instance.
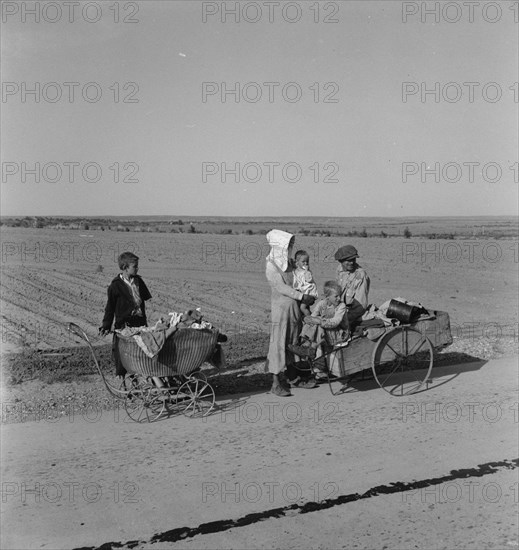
(286, 314)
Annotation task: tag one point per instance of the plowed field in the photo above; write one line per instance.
(51, 277)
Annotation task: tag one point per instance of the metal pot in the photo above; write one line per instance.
(405, 313)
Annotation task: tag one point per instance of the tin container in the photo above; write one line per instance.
(405, 313)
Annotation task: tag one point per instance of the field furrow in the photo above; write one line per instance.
(223, 275)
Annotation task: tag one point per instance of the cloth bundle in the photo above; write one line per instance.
(152, 339)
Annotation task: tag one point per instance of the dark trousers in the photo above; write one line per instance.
(355, 311)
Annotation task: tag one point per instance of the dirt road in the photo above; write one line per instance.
(261, 462)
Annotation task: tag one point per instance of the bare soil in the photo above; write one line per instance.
(51, 278)
(359, 443)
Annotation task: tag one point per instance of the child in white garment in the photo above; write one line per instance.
(303, 278)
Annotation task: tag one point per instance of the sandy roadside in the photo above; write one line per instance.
(41, 398)
(94, 482)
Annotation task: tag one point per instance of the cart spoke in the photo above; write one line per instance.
(397, 365)
(190, 405)
(408, 372)
(395, 352)
(405, 343)
(415, 349)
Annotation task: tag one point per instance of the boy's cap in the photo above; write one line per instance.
(347, 252)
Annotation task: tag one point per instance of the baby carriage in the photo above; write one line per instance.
(183, 387)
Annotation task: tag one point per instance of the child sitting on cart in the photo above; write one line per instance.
(328, 323)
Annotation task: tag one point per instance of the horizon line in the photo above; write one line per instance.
(176, 216)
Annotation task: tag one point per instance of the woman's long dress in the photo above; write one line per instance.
(286, 318)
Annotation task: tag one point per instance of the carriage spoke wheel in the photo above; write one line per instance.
(402, 361)
(144, 402)
(129, 382)
(195, 398)
(198, 374)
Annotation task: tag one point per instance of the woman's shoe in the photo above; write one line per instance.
(283, 380)
(280, 391)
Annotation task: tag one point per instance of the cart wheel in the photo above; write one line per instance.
(402, 361)
(144, 402)
(195, 398)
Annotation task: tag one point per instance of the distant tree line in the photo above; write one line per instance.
(179, 226)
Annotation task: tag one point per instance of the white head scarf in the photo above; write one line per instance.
(279, 241)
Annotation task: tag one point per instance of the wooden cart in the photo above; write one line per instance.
(401, 359)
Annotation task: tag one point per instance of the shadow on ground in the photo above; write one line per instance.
(444, 371)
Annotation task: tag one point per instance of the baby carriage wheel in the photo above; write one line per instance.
(195, 398)
(144, 402)
(198, 374)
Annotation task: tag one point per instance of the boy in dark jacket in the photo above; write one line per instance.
(126, 296)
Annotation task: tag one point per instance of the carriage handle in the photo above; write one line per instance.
(78, 331)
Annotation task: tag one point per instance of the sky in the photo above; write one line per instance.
(346, 108)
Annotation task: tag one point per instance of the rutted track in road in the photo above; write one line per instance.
(182, 533)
